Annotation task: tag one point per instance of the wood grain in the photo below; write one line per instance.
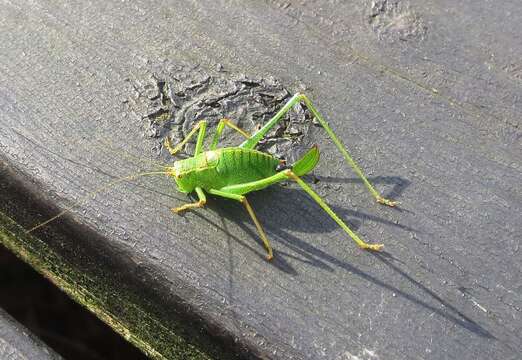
(425, 94)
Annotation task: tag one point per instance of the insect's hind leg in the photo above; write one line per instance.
(345, 153)
(202, 200)
(250, 143)
(202, 127)
(242, 199)
(219, 130)
(362, 244)
(260, 134)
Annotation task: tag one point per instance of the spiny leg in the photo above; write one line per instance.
(252, 142)
(219, 130)
(201, 126)
(242, 199)
(202, 200)
(330, 212)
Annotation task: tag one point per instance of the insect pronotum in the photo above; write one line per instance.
(232, 172)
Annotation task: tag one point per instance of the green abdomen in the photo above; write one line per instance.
(239, 166)
(216, 169)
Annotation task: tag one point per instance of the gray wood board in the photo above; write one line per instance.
(17, 343)
(427, 95)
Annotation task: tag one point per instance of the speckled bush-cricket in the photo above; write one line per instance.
(232, 172)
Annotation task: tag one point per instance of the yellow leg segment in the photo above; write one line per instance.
(198, 204)
(201, 126)
(219, 129)
(259, 228)
(242, 199)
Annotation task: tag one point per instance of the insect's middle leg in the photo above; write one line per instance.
(201, 126)
(221, 127)
(242, 199)
(202, 200)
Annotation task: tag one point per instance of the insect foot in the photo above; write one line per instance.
(372, 247)
(388, 202)
(183, 208)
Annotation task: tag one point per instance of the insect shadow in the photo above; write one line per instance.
(398, 183)
(297, 214)
(428, 300)
(300, 213)
(283, 232)
(450, 312)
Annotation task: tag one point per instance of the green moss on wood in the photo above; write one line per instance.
(121, 310)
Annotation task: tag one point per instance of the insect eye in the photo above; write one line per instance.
(282, 166)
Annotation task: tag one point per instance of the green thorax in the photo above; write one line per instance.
(218, 168)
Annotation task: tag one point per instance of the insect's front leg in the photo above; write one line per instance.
(201, 126)
(219, 129)
(202, 200)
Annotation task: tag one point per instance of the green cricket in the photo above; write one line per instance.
(232, 172)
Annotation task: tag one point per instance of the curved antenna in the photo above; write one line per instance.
(109, 146)
(94, 192)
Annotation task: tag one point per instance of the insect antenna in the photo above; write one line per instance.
(96, 191)
(123, 153)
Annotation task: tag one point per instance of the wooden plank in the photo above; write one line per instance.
(47, 312)
(17, 343)
(427, 95)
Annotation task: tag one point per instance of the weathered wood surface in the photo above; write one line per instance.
(17, 343)
(425, 94)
